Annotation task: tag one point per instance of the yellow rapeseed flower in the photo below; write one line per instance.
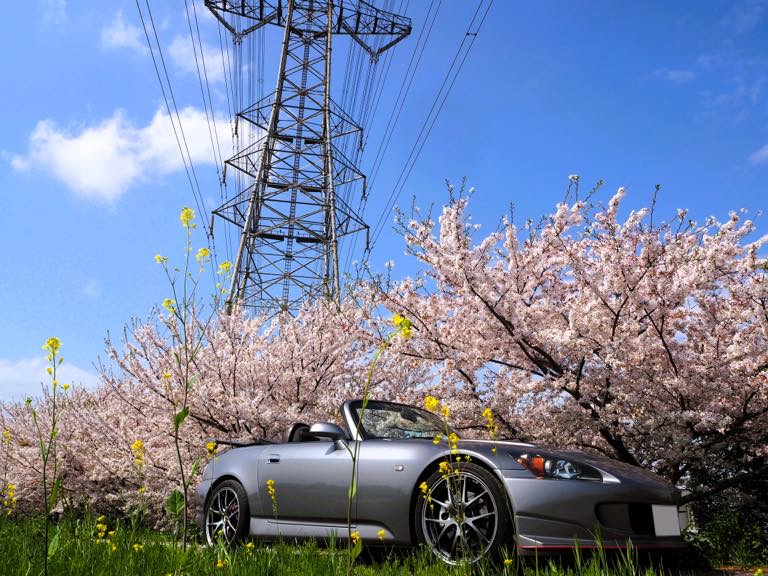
(355, 537)
(225, 267)
(211, 447)
(488, 414)
(49, 370)
(403, 325)
(52, 345)
(137, 547)
(138, 451)
(508, 561)
(219, 563)
(102, 530)
(168, 304)
(436, 439)
(203, 255)
(6, 437)
(186, 216)
(381, 534)
(166, 375)
(424, 487)
(445, 468)
(446, 411)
(9, 498)
(431, 403)
(65, 386)
(249, 548)
(160, 259)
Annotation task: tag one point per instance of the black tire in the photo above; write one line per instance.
(227, 514)
(480, 526)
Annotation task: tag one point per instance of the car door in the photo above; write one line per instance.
(311, 481)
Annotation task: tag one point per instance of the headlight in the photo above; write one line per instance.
(545, 466)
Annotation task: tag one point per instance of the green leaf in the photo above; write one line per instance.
(356, 549)
(54, 494)
(353, 489)
(195, 469)
(53, 545)
(178, 420)
(174, 505)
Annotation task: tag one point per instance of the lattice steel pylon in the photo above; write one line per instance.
(292, 214)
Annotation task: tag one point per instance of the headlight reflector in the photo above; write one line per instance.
(545, 466)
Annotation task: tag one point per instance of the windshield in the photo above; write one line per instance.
(388, 420)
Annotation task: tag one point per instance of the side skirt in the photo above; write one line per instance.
(269, 528)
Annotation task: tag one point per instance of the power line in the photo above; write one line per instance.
(429, 121)
(405, 87)
(178, 133)
(397, 108)
(210, 118)
(205, 87)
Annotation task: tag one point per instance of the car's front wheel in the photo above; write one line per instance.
(227, 515)
(462, 513)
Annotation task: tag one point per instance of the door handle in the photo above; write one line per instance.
(273, 458)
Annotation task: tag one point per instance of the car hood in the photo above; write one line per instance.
(625, 473)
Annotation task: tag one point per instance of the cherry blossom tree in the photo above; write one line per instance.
(253, 377)
(644, 341)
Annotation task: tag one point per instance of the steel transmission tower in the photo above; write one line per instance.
(292, 214)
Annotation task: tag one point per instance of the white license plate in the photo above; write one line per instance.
(665, 520)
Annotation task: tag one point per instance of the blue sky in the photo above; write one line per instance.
(92, 181)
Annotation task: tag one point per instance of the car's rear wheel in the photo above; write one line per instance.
(227, 515)
(462, 514)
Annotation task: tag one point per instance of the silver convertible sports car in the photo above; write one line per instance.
(461, 498)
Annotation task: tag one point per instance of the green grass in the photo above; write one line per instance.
(79, 550)
(731, 539)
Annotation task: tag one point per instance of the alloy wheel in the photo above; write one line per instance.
(222, 516)
(459, 517)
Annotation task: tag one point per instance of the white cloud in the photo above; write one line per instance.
(745, 15)
(54, 12)
(182, 52)
(679, 76)
(101, 162)
(122, 34)
(21, 378)
(738, 97)
(759, 156)
(91, 288)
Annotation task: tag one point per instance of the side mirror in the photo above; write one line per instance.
(326, 430)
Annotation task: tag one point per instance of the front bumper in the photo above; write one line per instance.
(565, 514)
(199, 496)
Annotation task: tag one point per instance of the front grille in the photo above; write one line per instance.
(627, 517)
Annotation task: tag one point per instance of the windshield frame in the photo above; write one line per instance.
(352, 407)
